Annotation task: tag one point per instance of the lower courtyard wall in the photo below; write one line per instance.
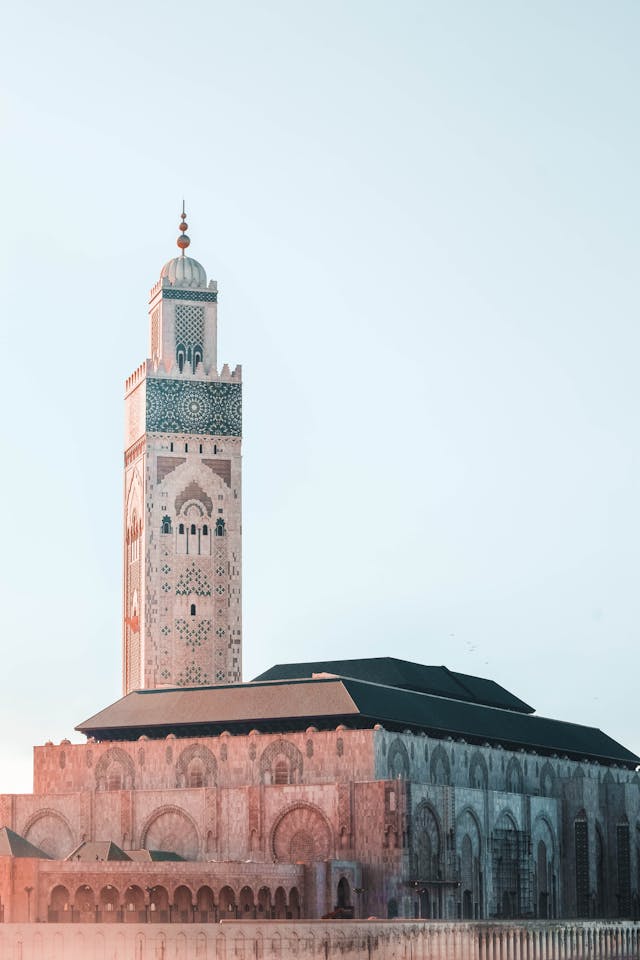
(373, 940)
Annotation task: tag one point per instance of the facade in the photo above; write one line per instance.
(182, 614)
(358, 788)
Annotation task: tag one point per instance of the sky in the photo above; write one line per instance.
(423, 219)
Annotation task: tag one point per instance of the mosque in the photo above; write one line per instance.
(351, 788)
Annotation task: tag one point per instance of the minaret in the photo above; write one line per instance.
(182, 617)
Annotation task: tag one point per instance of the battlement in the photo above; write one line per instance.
(164, 284)
(202, 374)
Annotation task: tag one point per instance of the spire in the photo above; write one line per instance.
(183, 240)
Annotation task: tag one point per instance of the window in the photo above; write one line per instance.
(181, 528)
(193, 610)
(196, 777)
(114, 780)
(200, 448)
(166, 525)
(219, 527)
(193, 529)
(181, 358)
(171, 446)
(281, 772)
(205, 530)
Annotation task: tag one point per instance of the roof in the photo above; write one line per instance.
(13, 845)
(294, 704)
(92, 850)
(154, 855)
(439, 681)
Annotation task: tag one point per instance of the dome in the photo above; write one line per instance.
(184, 272)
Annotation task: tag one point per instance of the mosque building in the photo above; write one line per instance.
(372, 787)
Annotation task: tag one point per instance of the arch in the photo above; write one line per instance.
(398, 761)
(280, 904)
(514, 779)
(194, 494)
(108, 902)
(59, 904)
(196, 753)
(246, 904)
(205, 904)
(50, 831)
(427, 843)
(468, 823)
(343, 901)
(227, 903)
(182, 904)
(84, 903)
(158, 904)
(506, 820)
(133, 902)
(302, 832)
(264, 903)
(171, 829)
(115, 762)
(440, 767)
(294, 903)
(547, 780)
(478, 771)
(285, 750)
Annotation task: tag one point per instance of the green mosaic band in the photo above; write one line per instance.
(209, 296)
(179, 406)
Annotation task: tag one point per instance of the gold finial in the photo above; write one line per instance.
(183, 240)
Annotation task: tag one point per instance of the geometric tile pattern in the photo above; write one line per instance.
(208, 296)
(193, 581)
(193, 636)
(189, 325)
(180, 406)
(192, 675)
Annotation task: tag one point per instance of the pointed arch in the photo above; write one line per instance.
(194, 759)
(113, 764)
(279, 752)
(440, 767)
(398, 761)
(478, 771)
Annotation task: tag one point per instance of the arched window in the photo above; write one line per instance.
(193, 529)
(114, 779)
(195, 777)
(219, 527)
(181, 528)
(197, 357)
(193, 610)
(281, 772)
(205, 530)
(180, 354)
(166, 525)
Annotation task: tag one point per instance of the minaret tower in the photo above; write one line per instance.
(182, 616)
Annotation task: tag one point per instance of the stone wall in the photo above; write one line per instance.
(371, 940)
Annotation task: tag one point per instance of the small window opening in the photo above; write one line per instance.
(171, 446)
(193, 610)
(181, 528)
(215, 448)
(219, 527)
(205, 530)
(193, 529)
(200, 448)
(186, 448)
(281, 772)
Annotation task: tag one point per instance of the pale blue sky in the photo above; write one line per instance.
(423, 218)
